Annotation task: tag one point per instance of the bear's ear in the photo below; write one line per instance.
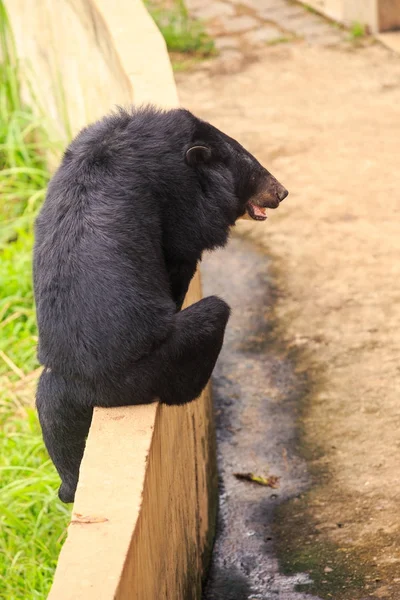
(197, 155)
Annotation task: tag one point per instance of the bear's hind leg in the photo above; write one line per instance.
(65, 422)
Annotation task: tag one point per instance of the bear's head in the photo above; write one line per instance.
(254, 188)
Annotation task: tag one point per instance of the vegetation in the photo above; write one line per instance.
(281, 40)
(32, 520)
(185, 37)
(358, 31)
(311, 9)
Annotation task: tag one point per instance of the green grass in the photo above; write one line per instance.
(182, 33)
(32, 520)
(281, 40)
(358, 31)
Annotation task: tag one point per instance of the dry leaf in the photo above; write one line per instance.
(272, 481)
(78, 518)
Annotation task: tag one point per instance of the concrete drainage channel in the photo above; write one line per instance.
(256, 393)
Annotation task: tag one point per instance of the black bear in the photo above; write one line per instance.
(136, 200)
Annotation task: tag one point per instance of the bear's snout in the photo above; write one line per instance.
(270, 194)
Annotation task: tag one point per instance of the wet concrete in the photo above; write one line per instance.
(256, 396)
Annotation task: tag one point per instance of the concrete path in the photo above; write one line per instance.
(325, 119)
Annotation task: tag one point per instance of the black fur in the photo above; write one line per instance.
(137, 199)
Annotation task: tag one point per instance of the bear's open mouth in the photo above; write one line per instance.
(258, 213)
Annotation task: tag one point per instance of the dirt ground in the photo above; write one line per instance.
(326, 122)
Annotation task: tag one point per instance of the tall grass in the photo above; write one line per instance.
(32, 520)
(181, 32)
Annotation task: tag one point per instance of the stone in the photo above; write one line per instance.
(304, 25)
(306, 21)
(240, 24)
(230, 61)
(324, 40)
(311, 29)
(221, 43)
(282, 11)
(214, 10)
(264, 35)
(194, 5)
(259, 5)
